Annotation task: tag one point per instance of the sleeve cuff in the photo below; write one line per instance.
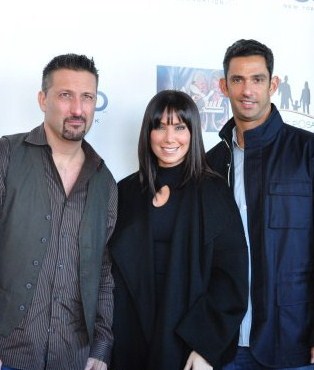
(101, 351)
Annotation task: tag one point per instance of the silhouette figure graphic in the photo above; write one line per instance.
(306, 98)
(285, 91)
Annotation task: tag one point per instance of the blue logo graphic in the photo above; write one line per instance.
(102, 101)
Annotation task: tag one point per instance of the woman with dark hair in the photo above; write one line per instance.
(178, 251)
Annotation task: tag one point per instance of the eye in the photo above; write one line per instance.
(88, 97)
(65, 95)
(160, 126)
(180, 127)
(258, 80)
(236, 80)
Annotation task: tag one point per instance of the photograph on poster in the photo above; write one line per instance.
(203, 86)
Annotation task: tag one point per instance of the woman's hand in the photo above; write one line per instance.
(93, 364)
(197, 362)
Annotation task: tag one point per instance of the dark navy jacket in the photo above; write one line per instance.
(278, 177)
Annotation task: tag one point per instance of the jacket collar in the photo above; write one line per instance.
(38, 137)
(259, 136)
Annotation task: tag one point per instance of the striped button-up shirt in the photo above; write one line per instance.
(53, 334)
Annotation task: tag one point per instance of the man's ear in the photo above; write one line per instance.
(274, 83)
(223, 86)
(42, 100)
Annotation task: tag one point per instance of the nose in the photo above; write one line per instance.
(76, 106)
(247, 88)
(169, 134)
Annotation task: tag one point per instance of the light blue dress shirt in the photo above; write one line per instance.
(239, 195)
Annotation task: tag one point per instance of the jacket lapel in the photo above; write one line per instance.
(132, 251)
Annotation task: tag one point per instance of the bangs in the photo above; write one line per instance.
(170, 111)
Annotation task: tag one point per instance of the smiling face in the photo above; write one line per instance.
(170, 142)
(69, 104)
(249, 89)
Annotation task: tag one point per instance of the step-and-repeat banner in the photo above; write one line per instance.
(143, 46)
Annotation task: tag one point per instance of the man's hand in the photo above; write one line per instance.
(93, 364)
(312, 355)
(197, 362)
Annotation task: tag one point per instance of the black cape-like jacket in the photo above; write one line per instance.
(206, 290)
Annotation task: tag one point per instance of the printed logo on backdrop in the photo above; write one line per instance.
(101, 105)
(299, 5)
(203, 86)
(210, 2)
(295, 104)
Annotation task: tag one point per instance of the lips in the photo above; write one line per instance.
(75, 120)
(170, 150)
(247, 103)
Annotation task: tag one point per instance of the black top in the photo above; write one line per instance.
(163, 221)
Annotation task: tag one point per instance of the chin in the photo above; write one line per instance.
(73, 136)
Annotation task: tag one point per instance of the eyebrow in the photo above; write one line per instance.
(253, 76)
(172, 123)
(61, 90)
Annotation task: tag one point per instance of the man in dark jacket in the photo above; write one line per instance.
(269, 164)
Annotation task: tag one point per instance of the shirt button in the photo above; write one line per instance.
(35, 263)
(60, 266)
(22, 307)
(48, 217)
(28, 285)
(43, 240)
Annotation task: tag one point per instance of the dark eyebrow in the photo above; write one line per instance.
(260, 75)
(236, 76)
(232, 77)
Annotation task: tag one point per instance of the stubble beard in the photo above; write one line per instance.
(72, 134)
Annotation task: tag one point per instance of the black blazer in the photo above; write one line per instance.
(206, 290)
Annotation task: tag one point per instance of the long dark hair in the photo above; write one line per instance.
(171, 101)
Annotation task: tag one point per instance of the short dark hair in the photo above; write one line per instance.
(183, 105)
(73, 62)
(245, 48)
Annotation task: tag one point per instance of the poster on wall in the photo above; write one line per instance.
(293, 99)
(203, 86)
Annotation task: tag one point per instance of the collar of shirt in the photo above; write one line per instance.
(235, 139)
(92, 160)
